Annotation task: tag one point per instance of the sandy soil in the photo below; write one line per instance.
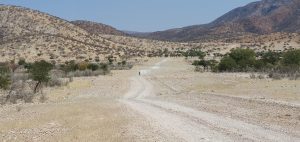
(85, 110)
(168, 102)
(179, 115)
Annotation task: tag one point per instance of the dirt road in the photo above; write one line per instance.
(175, 122)
(169, 102)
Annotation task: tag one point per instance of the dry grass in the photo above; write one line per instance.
(176, 75)
(85, 110)
(81, 121)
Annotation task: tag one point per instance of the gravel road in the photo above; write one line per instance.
(176, 122)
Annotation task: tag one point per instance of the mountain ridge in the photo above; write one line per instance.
(261, 17)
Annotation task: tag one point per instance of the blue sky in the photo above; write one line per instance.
(135, 15)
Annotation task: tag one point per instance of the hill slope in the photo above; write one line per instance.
(97, 28)
(263, 17)
(30, 34)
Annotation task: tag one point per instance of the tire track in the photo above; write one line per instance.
(191, 125)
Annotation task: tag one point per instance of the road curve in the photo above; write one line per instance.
(188, 124)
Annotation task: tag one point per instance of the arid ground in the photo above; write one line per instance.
(167, 102)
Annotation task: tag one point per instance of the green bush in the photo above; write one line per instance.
(124, 63)
(227, 64)
(28, 66)
(203, 63)
(93, 66)
(239, 60)
(259, 64)
(271, 57)
(110, 59)
(104, 67)
(5, 80)
(277, 64)
(291, 58)
(69, 66)
(22, 62)
(244, 58)
(194, 53)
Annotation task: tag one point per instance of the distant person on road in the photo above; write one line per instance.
(139, 73)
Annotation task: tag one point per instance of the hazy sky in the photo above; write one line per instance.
(135, 15)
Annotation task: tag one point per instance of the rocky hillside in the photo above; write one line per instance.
(34, 35)
(262, 17)
(97, 28)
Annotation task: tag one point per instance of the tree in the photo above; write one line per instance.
(227, 64)
(40, 72)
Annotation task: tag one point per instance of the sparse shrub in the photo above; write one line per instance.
(14, 96)
(199, 69)
(97, 60)
(4, 77)
(200, 63)
(19, 76)
(86, 73)
(69, 66)
(70, 78)
(54, 81)
(28, 97)
(119, 63)
(110, 60)
(104, 67)
(194, 53)
(28, 66)
(2, 100)
(22, 62)
(82, 66)
(276, 76)
(43, 98)
(124, 63)
(93, 66)
(252, 76)
(261, 76)
(18, 108)
(206, 64)
(119, 66)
